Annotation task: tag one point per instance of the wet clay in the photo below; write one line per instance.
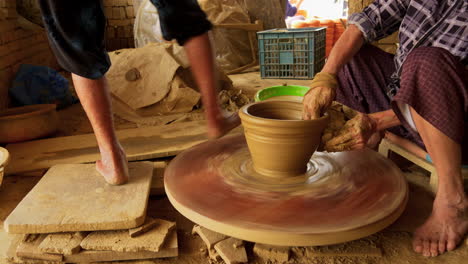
(280, 142)
(340, 197)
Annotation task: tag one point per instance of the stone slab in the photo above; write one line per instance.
(30, 249)
(232, 251)
(168, 250)
(121, 241)
(75, 197)
(66, 243)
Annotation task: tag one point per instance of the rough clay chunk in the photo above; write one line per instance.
(272, 253)
(209, 237)
(232, 251)
(121, 241)
(62, 243)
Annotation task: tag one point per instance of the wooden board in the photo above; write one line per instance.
(75, 197)
(139, 144)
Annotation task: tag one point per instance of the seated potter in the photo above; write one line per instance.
(420, 93)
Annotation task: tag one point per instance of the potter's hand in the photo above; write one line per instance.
(320, 96)
(355, 134)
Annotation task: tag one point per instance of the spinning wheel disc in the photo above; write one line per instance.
(342, 196)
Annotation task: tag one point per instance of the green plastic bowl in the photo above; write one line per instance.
(276, 91)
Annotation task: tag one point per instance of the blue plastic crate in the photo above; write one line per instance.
(291, 53)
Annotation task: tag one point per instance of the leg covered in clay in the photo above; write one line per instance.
(434, 84)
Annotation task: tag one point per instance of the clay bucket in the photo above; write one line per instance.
(279, 141)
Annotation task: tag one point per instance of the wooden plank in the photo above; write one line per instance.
(75, 197)
(139, 144)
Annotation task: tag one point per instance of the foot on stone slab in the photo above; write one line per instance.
(444, 229)
(113, 166)
(223, 125)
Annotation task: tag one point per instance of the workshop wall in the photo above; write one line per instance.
(19, 45)
(120, 18)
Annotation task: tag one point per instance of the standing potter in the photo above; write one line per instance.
(76, 35)
(421, 93)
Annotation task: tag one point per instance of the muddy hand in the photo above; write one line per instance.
(317, 101)
(320, 96)
(355, 134)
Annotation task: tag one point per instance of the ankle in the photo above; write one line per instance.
(453, 199)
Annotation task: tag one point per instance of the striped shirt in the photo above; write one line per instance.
(433, 23)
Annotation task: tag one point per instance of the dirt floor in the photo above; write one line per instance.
(394, 243)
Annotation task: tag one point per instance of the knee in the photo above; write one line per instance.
(426, 58)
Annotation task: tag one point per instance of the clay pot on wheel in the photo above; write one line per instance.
(28, 122)
(280, 142)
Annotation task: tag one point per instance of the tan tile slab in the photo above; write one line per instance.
(75, 197)
(121, 241)
(168, 250)
(232, 251)
(62, 243)
(30, 249)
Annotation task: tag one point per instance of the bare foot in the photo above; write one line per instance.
(223, 126)
(444, 229)
(113, 166)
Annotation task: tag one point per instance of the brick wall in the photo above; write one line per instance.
(19, 46)
(120, 16)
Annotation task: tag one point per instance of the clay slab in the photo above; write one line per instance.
(75, 197)
(169, 249)
(121, 241)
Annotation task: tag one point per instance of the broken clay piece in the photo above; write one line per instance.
(280, 142)
(209, 237)
(268, 253)
(62, 243)
(121, 241)
(149, 224)
(231, 254)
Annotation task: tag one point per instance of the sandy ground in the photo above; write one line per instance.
(394, 242)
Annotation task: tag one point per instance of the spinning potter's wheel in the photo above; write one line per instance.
(341, 197)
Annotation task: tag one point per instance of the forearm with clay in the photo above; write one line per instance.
(324, 84)
(385, 119)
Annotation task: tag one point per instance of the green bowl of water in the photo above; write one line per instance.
(283, 93)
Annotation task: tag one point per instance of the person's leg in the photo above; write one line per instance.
(448, 222)
(434, 85)
(202, 65)
(75, 30)
(95, 99)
